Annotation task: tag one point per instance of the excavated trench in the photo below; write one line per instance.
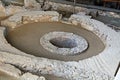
(27, 39)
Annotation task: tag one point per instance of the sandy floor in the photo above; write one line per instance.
(27, 39)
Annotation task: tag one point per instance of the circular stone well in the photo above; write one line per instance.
(28, 38)
(63, 43)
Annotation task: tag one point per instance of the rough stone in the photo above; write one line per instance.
(11, 9)
(32, 4)
(61, 7)
(2, 10)
(41, 78)
(29, 17)
(109, 14)
(46, 6)
(10, 70)
(102, 32)
(14, 2)
(58, 68)
(29, 76)
(67, 8)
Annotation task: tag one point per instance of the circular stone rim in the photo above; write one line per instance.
(82, 44)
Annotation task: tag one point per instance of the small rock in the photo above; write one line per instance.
(41, 78)
(32, 4)
(11, 9)
(29, 76)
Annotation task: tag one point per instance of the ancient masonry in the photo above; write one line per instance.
(100, 67)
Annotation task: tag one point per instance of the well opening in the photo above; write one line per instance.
(62, 42)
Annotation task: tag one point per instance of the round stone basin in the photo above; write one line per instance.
(27, 39)
(62, 42)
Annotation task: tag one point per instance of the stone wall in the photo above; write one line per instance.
(48, 5)
(32, 4)
(66, 7)
(12, 9)
(30, 16)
